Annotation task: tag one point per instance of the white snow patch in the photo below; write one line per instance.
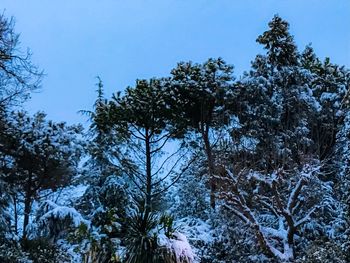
(179, 245)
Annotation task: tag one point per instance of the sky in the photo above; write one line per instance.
(74, 41)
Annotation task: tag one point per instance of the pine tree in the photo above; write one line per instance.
(140, 117)
(107, 198)
(329, 85)
(44, 156)
(280, 46)
(276, 102)
(198, 94)
(140, 121)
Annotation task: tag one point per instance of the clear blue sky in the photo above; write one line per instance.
(122, 40)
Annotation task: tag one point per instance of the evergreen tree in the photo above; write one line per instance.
(280, 46)
(342, 160)
(106, 201)
(329, 84)
(44, 156)
(140, 118)
(198, 94)
(276, 102)
(140, 121)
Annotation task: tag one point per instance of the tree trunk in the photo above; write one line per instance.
(290, 237)
(27, 209)
(211, 169)
(27, 205)
(15, 214)
(148, 175)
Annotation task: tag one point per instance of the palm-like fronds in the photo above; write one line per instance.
(141, 240)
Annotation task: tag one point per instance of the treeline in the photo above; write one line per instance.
(197, 166)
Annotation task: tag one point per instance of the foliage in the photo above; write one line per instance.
(198, 95)
(323, 250)
(141, 240)
(39, 155)
(42, 251)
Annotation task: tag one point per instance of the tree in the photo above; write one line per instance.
(140, 121)
(276, 104)
(4, 213)
(342, 160)
(281, 50)
(329, 85)
(274, 206)
(18, 76)
(107, 198)
(104, 144)
(44, 155)
(198, 103)
(140, 118)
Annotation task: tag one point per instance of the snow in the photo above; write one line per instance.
(179, 245)
(328, 96)
(50, 211)
(274, 238)
(65, 196)
(308, 97)
(182, 248)
(195, 229)
(63, 212)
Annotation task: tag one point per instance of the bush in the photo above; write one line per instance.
(323, 251)
(41, 250)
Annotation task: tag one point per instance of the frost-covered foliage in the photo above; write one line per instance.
(274, 113)
(274, 103)
(40, 155)
(190, 197)
(343, 176)
(152, 238)
(11, 252)
(275, 207)
(323, 251)
(53, 221)
(197, 99)
(105, 205)
(199, 233)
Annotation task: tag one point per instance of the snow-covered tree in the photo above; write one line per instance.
(274, 206)
(343, 174)
(274, 103)
(329, 84)
(44, 155)
(139, 120)
(198, 93)
(281, 50)
(4, 210)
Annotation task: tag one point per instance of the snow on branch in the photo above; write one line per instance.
(53, 219)
(280, 193)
